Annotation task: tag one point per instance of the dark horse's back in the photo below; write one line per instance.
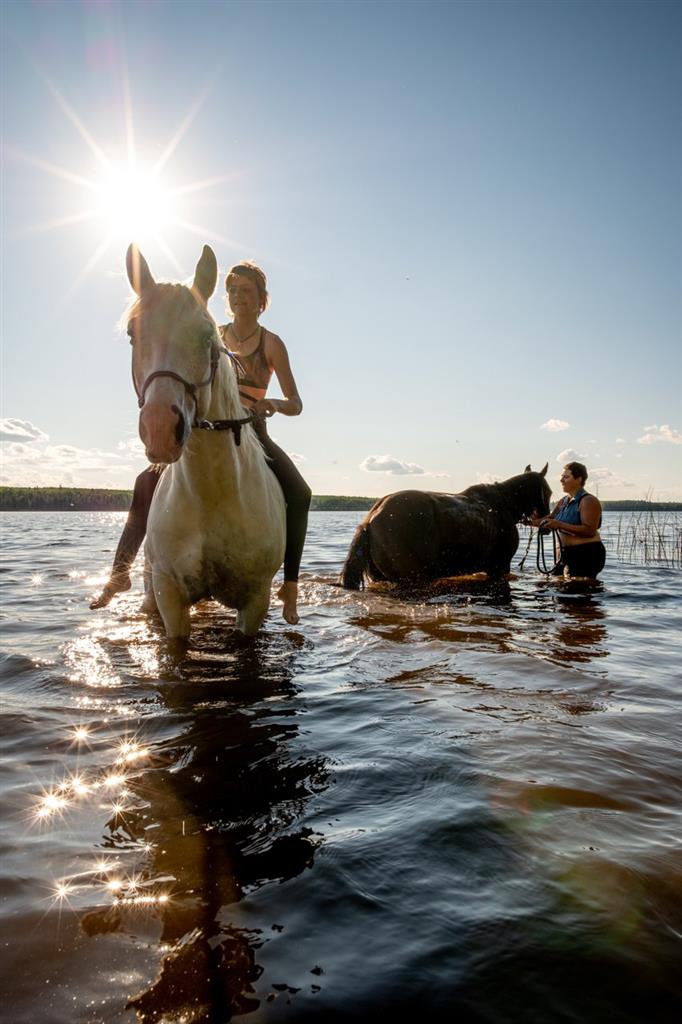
(417, 536)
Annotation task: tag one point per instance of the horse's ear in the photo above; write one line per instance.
(206, 274)
(527, 469)
(139, 274)
(543, 472)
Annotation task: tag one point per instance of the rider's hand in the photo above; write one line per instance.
(265, 407)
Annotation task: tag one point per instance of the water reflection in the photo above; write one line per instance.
(562, 625)
(214, 813)
(580, 629)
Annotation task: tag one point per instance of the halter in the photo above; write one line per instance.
(235, 425)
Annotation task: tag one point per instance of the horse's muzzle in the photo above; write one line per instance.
(164, 429)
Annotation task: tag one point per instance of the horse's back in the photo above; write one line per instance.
(417, 535)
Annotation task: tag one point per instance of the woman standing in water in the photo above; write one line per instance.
(261, 353)
(576, 518)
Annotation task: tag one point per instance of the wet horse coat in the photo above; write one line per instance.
(216, 526)
(416, 536)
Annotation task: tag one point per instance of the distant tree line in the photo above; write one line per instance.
(100, 499)
(63, 499)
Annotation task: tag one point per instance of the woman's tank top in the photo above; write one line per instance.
(569, 510)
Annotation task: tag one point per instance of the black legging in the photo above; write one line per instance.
(296, 492)
(581, 560)
(297, 496)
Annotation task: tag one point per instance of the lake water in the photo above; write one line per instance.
(464, 807)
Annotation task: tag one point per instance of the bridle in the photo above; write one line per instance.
(235, 425)
(189, 387)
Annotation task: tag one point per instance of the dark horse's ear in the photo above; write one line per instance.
(206, 274)
(139, 274)
(527, 469)
(543, 472)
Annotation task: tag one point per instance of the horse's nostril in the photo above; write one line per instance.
(179, 426)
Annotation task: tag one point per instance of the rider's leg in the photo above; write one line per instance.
(297, 496)
(133, 534)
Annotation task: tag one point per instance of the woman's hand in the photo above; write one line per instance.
(265, 407)
(544, 523)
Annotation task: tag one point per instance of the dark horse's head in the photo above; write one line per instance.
(533, 492)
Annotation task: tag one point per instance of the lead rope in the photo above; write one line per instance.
(540, 561)
(530, 538)
(540, 558)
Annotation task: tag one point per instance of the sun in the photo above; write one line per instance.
(127, 199)
(133, 202)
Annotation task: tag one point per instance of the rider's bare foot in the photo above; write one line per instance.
(116, 585)
(288, 594)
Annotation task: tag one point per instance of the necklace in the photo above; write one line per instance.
(242, 340)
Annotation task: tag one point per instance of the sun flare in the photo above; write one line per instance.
(133, 202)
(127, 199)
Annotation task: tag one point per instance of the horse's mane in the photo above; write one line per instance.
(505, 491)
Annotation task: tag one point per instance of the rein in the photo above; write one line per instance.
(235, 425)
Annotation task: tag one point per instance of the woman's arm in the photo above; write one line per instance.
(278, 357)
(537, 520)
(590, 514)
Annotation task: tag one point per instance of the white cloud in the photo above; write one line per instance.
(297, 457)
(604, 476)
(570, 455)
(554, 426)
(133, 446)
(663, 433)
(621, 440)
(388, 464)
(37, 463)
(20, 430)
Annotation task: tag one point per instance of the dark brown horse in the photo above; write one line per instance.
(416, 536)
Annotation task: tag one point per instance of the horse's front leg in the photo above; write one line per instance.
(173, 605)
(250, 618)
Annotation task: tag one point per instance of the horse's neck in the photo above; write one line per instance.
(520, 495)
(224, 403)
(508, 497)
(213, 464)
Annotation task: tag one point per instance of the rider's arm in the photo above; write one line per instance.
(278, 357)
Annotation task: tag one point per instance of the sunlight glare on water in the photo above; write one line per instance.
(462, 803)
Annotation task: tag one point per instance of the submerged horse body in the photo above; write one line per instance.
(417, 536)
(216, 526)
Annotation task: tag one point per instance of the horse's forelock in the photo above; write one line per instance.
(153, 297)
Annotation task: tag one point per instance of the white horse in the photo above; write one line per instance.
(216, 526)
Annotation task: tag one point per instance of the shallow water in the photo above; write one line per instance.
(464, 806)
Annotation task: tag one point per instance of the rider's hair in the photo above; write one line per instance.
(247, 268)
(578, 470)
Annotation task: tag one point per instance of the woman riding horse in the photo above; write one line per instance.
(260, 352)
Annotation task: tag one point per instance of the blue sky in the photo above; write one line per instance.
(470, 215)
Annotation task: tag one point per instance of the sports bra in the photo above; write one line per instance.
(257, 373)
